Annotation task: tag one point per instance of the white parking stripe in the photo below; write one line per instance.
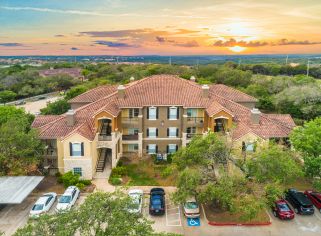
(177, 220)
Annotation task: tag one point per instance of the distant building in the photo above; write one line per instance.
(73, 72)
(155, 115)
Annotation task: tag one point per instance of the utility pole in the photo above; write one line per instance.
(308, 68)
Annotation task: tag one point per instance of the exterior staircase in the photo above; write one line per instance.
(102, 160)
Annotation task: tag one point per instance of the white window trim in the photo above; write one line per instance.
(169, 132)
(150, 113)
(149, 148)
(77, 142)
(149, 132)
(175, 114)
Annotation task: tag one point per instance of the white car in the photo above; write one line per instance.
(68, 199)
(43, 204)
(137, 198)
(191, 208)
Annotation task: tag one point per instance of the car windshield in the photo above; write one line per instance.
(37, 207)
(283, 207)
(65, 199)
(191, 205)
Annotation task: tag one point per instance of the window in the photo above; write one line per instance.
(132, 147)
(171, 148)
(133, 131)
(152, 132)
(191, 130)
(172, 132)
(151, 148)
(152, 113)
(191, 112)
(173, 113)
(249, 146)
(133, 112)
(78, 170)
(76, 149)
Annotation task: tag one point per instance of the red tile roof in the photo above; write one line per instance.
(231, 93)
(164, 90)
(42, 120)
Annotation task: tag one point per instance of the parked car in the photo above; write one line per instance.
(18, 103)
(315, 198)
(282, 210)
(68, 199)
(43, 205)
(157, 201)
(300, 202)
(137, 199)
(191, 208)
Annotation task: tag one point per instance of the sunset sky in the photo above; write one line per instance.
(162, 27)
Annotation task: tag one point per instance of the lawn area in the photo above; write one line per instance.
(214, 214)
(301, 184)
(146, 173)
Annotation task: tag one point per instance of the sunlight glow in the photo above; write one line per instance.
(237, 48)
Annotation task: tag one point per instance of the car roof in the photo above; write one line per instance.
(191, 199)
(42, 200)
(135, 191)
(316, 194)
(281, 201)
(69, 190)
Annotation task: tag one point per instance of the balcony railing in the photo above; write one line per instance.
(195, 120)
(191, 135)
(104, 137)
(51, 152)
(128, 120)
(130, 137)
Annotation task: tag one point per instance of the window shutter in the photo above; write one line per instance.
(176, 147)
(168, 110)
(167, 132)
(176, 132)
(156, 148)
(70, 149)
(82, 149)
(167, 148)
(156, 132)
(177, 113)
(147, 112)
(156, 112)
(147, 132)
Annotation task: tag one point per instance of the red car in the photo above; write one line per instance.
(315, 198)
(282, 210)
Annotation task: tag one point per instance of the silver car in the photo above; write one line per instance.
(43, 205)
(136, 195)
(191, 208)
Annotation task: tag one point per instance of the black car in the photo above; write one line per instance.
(157, 201)
(300, 202)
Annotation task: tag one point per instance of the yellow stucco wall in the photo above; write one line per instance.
(60, 153)
(77, 138)
(249, 137)
(211, 120)
(103, 114)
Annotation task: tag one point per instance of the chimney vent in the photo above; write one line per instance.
(70, 117)
(132, 79)
(121, 91)
(193, 78)
(255, 116)
(205, 90)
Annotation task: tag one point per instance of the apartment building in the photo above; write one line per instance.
(155, 115)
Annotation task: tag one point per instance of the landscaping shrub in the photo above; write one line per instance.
(169, 158)
(317, 185)
(273, 192)
(166, 172)
(70, 179)
(120, 170)
(80, 185)
(115, 181)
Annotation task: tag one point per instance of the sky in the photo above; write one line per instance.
(159, 27)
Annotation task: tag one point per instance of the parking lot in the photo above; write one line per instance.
(13, 217)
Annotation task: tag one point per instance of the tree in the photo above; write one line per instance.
(101, 214)
(56, 108)
(12, 113)
(75, 91)
(272, 164)
(307, 138)
(20, 148)
(7, 96)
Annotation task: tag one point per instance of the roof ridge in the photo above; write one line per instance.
(93, 89)
(234, 89)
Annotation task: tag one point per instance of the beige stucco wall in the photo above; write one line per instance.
(249, 137)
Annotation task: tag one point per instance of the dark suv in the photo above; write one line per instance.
(300, 202)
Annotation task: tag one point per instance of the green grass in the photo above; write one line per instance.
(139, 178)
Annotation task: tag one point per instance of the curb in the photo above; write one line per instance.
(239, 224)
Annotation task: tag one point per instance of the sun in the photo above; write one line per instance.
(237, 48)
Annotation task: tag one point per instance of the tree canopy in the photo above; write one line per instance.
(101, 214)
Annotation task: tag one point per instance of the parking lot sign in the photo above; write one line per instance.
(193, 222)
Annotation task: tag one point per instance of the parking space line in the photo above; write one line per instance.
(316, 213)
(176, 221)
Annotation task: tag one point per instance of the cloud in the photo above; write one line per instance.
(295, 42)
(173, 42)
(160, 39)
(188, 44)
(114, 44)
(11, 44)
(59, 35)
(74, 49)
(233, 42)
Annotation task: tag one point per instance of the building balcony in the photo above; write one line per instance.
(102, 137)
(130, 137)
(129, 122)
(195, 121)
(190, 136)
